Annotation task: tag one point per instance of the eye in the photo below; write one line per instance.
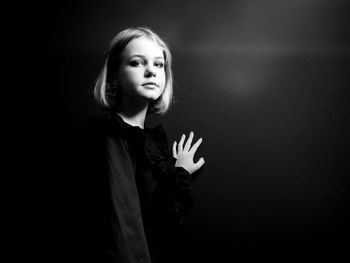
(136, 63)
(159, 64)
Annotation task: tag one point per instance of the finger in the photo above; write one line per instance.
(189, 142)
(199, 163)
(174, 150)
(195, 146)
(181, 142)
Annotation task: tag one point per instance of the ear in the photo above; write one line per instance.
(113, 82)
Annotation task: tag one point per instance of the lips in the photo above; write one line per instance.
(150, 84)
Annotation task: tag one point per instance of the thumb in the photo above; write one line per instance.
(199, 163)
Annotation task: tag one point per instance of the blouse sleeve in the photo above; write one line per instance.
(179, 180)
(180, 195)
(183, 197)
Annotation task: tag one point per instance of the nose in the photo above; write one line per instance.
(150, 72)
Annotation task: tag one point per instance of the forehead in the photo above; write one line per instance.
(143, 46)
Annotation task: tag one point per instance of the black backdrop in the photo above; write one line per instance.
(263, 82)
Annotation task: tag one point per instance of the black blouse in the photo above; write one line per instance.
(137, 198)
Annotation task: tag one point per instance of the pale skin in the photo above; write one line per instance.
(142, 62)
(184, 153)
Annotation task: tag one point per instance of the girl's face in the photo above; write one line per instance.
(141, 73)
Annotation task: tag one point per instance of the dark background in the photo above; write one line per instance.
(265, 83)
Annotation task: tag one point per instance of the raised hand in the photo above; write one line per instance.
(184, 153)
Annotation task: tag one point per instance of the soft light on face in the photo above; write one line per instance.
(141, 72)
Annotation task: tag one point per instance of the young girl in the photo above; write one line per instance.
(141, 190)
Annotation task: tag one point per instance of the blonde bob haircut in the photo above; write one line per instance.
(106, 90)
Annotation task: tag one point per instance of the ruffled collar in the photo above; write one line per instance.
(154, 139)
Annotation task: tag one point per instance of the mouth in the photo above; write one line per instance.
(150, 85)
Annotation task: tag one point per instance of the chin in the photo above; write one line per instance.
(152, 97)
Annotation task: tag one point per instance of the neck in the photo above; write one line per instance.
(135, 115)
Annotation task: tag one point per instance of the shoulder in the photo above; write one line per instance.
(100, 131)
(103, 137)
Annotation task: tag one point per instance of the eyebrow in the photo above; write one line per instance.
(137, 55)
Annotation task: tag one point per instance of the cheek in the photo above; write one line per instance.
(127, 77)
